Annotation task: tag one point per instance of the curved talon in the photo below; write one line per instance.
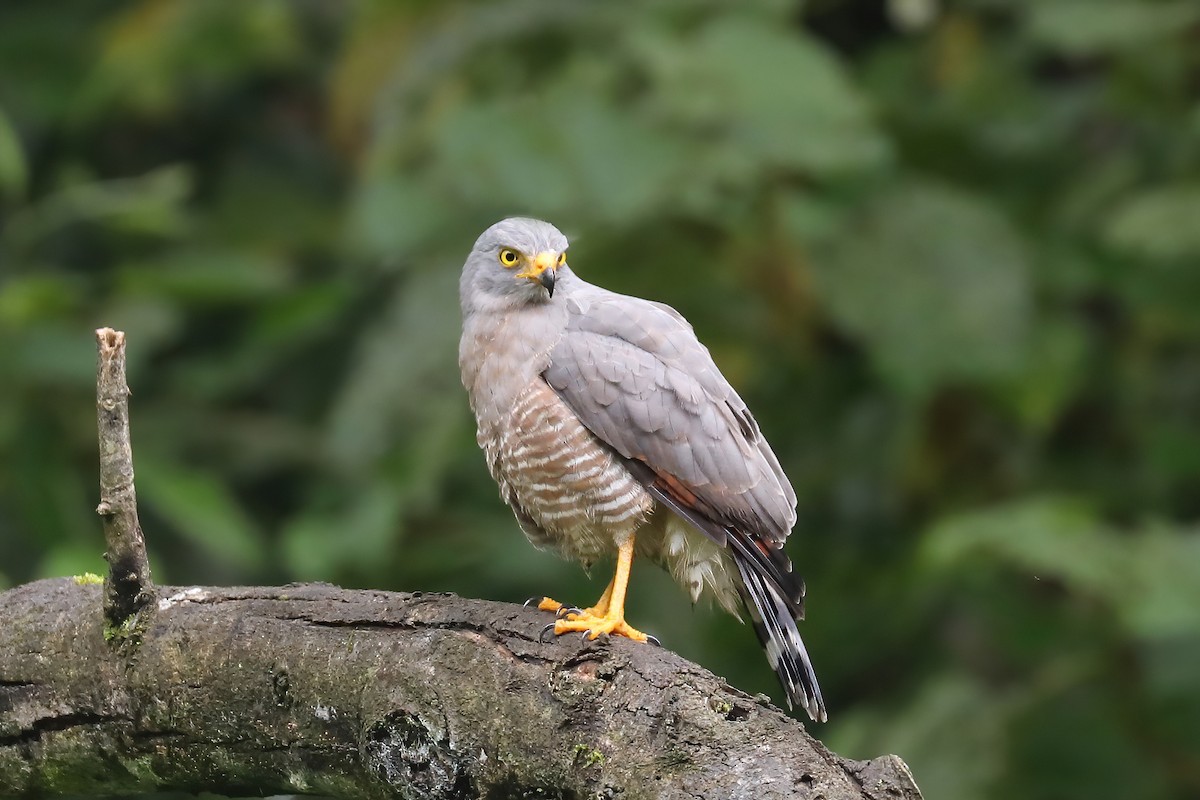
(567, 610)
(531, 601)
(653, 640)
(586, 634)
(542, 635)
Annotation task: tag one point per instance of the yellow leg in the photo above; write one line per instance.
(608, 615)
(601, 607)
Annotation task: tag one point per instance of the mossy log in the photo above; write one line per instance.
(361, 694)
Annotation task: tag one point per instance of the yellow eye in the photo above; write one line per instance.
(562, 258)
(509, 258)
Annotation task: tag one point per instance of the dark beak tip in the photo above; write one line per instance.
(546, 279)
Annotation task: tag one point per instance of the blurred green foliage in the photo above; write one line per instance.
(947, 250)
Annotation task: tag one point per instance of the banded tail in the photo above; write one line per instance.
(771, 592)
(774, 619)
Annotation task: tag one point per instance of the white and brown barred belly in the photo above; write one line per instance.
(570, 493)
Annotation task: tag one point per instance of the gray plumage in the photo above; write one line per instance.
(602, 416)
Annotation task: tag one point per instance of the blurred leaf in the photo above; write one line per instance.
(54, 353)
(1162, 595)
(197, 276)
(935, 282)
(778, 96)
(503, 153)
(951, 735)
(392, 217)
(443, 54)
(289, 319)
(25, 300)
(293, 183)
(1089, 27)
(1150, 580)
(14, 173)
(1105, 762)
(317, 543)
(152, 205)
(403, 383)
(623, 169)
(1174, 692)
(1043, 536)
(811, 217)
(1054, 371)
(377, 38)
(42, 54)
(200, 506)
(156, 51)
(1158, 223)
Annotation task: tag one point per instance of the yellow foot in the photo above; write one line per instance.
(592, 625)
(607, 616)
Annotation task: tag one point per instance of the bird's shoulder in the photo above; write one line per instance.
(640, 341)
(648, 324)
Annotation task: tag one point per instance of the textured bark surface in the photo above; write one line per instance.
(315, 689)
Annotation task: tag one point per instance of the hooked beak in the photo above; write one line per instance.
(547, 279)
(542, 270)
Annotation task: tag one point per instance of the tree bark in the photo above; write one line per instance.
(360, 694)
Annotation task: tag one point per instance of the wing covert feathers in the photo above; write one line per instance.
(639, 380)
(637, 377)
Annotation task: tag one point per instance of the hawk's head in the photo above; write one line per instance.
(516, 260)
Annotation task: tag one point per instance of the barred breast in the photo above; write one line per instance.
(569, 492)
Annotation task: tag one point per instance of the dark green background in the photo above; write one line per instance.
(946, 250)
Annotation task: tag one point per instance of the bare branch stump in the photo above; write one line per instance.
(128, 587)
(361, 694)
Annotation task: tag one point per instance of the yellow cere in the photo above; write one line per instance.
(542, 262)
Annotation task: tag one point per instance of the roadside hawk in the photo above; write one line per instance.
(611, 431)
